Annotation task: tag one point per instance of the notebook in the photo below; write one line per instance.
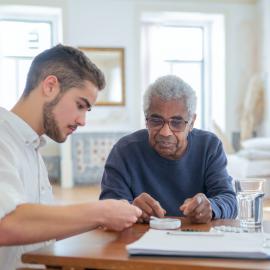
(202, 244)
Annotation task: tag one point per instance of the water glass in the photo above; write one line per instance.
(250, 194)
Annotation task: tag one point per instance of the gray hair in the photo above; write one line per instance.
(168, 88)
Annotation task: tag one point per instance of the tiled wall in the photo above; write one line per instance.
(89, 154)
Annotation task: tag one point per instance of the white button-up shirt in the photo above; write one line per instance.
(23, 177)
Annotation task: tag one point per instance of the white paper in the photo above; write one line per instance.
(208, 244)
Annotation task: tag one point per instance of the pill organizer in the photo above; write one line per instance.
(164, 223)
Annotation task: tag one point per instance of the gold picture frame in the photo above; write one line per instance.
(111, 62)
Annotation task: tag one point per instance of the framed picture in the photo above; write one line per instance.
(111, 62)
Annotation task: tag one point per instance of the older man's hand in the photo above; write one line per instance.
(149, 207)
(198, 209)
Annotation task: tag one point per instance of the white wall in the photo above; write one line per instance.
(117, 23)
(241, 56)
(264, 41)
(104, 23)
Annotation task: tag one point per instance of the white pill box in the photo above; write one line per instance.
(164, 223)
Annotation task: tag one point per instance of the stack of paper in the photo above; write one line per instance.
(202, 244)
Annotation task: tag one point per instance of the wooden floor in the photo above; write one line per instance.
(91, 193)
(76, 194)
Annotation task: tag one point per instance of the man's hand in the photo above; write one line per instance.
(149, 207)
(197, 208)
(119, 214)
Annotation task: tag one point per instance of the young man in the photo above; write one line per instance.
(171, 168)
(62, 85)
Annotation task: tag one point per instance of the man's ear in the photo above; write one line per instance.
(50, 87)
(192, 121)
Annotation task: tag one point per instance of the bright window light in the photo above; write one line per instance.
(182, 43)
(24, 39)
(24, 33)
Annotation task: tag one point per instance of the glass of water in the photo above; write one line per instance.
(250, 194)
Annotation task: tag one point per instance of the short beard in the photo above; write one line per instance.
(51, 127)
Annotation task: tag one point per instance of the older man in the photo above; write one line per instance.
(171, 168)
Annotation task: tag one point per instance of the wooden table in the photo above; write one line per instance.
(106, 250)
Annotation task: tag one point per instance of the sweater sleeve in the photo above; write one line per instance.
(115, 182)
(219, 188)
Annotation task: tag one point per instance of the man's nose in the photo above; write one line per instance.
(81, 119)
(165, 130)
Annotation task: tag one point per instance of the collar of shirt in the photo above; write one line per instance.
(22, 129)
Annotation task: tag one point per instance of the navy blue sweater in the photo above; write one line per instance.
(133, 167)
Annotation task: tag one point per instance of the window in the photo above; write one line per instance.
(182, 44)
(21, 39)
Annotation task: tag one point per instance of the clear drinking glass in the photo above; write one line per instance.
(250, 194)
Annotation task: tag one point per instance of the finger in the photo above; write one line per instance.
(145, 216)
(155, 206)
(193, 204)
(189, 207)
(187, 200)
(203, 217)
(200, 216)
(200, 198)
(138, 211)
(149, 204)
(146, 220)
(202, 208)
(128, 225)
(159, 211)
(143, 206)
(205, 213)
(125, 201)
(184, 205)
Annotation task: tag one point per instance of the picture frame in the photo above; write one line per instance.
(111, 62)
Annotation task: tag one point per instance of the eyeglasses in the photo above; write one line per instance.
(176, 125)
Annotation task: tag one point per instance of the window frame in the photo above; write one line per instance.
(51, 15)
(213, 94)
